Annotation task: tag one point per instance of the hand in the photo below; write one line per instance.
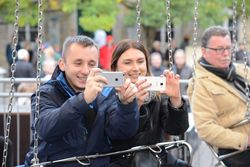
(94, 85)
(173, 88)
(127, 93)
(142, 93)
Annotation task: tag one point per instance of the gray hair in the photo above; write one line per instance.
(213, 31)
(82, 40)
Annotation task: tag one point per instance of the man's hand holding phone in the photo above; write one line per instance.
(94, 85)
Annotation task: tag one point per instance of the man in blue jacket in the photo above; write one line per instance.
(78, 116)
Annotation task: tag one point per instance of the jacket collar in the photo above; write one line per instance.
(59, 76)
(201, 72)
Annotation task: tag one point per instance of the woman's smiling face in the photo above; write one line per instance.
(133, 63)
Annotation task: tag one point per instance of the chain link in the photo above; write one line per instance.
(38, 81)
(195, 34)
(234, 30)
(243, 6)
(169, 29)
(138, 20)
(12, 82)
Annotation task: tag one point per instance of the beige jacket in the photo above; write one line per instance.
(216, 107)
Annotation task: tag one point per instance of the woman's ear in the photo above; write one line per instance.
(61, 64)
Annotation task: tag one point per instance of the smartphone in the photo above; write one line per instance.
(157, 83)
(115, 79)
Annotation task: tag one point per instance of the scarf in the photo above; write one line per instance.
(228, 74)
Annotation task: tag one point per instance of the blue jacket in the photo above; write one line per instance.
(62, 125)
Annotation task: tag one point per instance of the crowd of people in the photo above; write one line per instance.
(79, 115)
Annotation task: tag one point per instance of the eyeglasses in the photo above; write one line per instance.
(220, 50)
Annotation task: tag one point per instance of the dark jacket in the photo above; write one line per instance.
(155, 117)
(63, 126)
(185, 73)
(24, 69)
(8, 52)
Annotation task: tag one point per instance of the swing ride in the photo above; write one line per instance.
(85, 160)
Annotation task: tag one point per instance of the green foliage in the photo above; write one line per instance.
(70, 5)
(211, 12)
(27, 12)
(101, 14)
(98, 14)
(152, 14)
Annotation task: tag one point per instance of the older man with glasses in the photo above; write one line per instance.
(218, 98)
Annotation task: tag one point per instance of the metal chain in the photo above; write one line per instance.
(138, 20)
(170, 51)
(234, 30)
(195, 34)
(12, 82)
(38, 80)
(243, 6)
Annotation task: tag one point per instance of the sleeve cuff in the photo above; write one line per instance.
(179, 108)
(80, 104)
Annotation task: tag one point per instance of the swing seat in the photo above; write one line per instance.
(226, 157)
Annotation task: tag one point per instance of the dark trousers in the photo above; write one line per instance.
(9, 161)
(239, 160)
(167, 160)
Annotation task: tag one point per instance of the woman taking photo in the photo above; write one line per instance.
(160, 112)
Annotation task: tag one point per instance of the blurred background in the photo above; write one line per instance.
(107, 22)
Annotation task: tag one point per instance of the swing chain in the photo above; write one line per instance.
(138, 20)
(195, 34)
(12, 83)
(35, 160)
(243, 6)
(234, 30)
(170, 51)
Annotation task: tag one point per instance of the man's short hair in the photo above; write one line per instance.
(78, 39)
(213, 31)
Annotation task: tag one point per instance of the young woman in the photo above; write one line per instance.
(160, 112)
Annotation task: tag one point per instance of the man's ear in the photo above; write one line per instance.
(203, 51)
(61, 64)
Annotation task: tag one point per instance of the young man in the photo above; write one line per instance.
(218, 99)
(78, 116)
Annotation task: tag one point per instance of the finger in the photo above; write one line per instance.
(143, 97)
(177, 76)
(130, 90)
(118, 89)
(99, 89)
(94, 71)
(133, 91)
(131, 95)
(129, 100)
(144, 85)
(140, 81)
(99, 78)
(165, 72)
(127, 82)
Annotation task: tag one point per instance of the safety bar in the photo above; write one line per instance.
(167, 145)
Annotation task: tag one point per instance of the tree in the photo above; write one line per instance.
(27, 12)
(96, 14)
(153, 14)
